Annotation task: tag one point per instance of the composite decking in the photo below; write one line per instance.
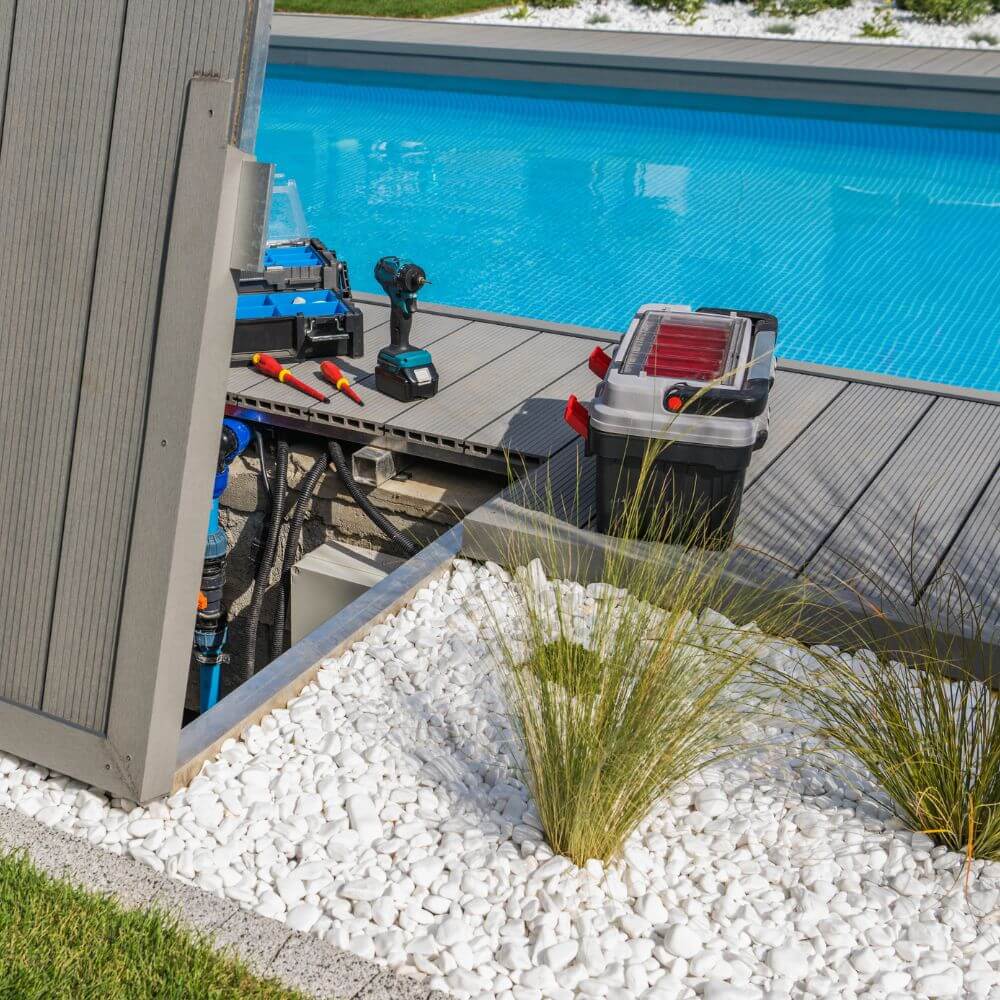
(861, 474)
(503, 386)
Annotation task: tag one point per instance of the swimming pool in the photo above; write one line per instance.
(877, 245)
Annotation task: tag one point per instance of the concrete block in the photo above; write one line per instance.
(388, 985)
(64, 856)
(437, 492)
(253, 938)
(193, 906)
(316, 967)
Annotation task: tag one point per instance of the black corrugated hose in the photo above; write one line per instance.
(306, 488)
(377, 517)
(279, 498)
(262, 455)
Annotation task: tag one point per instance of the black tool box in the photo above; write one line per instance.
(298, 307)
(291, 264)
(297, 325)
(694, 387)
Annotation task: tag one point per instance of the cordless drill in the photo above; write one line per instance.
(401, 371)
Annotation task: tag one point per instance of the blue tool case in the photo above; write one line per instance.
(308, 323)
(292, 264)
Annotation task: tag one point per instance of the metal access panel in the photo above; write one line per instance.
(120, 171)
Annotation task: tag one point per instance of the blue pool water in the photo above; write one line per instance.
(877, 245)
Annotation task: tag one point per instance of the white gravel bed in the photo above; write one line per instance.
(381, 810)
(739, 19)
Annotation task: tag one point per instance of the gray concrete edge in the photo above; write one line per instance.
(815, 71)
(281, 680)
(501, 528)
(301, 961)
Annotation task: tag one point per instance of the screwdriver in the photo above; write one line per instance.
(339, 380)
(271, 367)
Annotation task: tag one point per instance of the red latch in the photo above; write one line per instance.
(577, 416)
(599, 362)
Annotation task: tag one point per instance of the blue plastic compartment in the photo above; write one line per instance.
(300, 256)
(268, 305)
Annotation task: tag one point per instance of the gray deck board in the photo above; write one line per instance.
(564, 487)
(909, 515)
(974, 558)
(535, 426)
(796, 400)
(484, 395)
(809, 490)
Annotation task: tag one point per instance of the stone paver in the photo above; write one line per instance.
(253, 938)
(321, 970)
(388, 985)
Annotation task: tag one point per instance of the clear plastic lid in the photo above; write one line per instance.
(687, 346)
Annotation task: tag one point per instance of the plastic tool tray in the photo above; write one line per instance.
(298, 264)
(310, 323)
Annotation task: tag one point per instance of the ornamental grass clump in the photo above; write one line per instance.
(619, 691)
(916, 732)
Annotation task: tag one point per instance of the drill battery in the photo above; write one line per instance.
(406, 375)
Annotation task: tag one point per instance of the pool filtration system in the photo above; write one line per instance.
(687, 393)
(211, 628)
(402, 371)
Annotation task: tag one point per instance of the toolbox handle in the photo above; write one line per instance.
(599, 362)
(577, 416)
(751, 400)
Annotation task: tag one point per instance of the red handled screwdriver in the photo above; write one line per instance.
(339, 380)
(271, 367)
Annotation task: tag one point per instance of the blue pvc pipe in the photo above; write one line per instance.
(208, 686)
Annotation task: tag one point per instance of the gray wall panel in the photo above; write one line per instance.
(53, 163)
(6, 37)
(122, 330)
(118, 204)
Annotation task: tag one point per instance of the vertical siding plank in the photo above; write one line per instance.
(165, 45)
(7, 10)
(53, 160)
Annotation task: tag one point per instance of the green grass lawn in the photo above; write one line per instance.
(387, 8)
(59, 942)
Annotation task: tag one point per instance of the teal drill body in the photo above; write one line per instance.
(402, 371)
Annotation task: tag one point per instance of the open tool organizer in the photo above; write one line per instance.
(687, 393)
(292, 264)
(298, 307)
